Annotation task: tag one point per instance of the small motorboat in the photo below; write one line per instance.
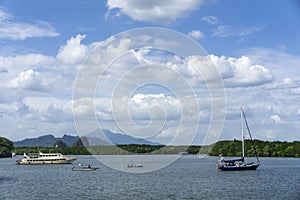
(134, 165)
(84, 168)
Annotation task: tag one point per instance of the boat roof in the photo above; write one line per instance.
(234, 160)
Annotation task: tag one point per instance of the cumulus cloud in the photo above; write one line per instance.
(37, 72)
(235, 72)
(267, 135)
(3, 70)
(281, 84)
(241, 72)
(29, 80)
(295, 91)
(196, 34)
(73, 52)
(223, 65)
(141, 105)
(274, 119)
(54, 114)
(284, 64)
(156, 11)
(11, 28)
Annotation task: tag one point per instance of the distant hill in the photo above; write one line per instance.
(5, 147)
(45, 141)
(96, 138)
(92, 139)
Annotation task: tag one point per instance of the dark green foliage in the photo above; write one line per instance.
(226, 148)
(63, 150)
(5, 145)
(78, 142)
(263, 148)
(59, 143)
(140, 148)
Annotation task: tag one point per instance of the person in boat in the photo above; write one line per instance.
(89, 166)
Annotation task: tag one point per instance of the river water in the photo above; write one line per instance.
(188, 178)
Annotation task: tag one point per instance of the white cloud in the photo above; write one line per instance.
(3, 70)
(54, 114)
(73, 52)
(223, 65)
(283, 64)
(11, 28)
(227, 31)
(29, 80)
(26, 61)
(267, 135)
(142, 104)
(236, 72)
(295, 91)
(275, 118)
(83, 107)
(283, 83)
(222, 30)
(241, 72)
(211, 20)
(155, 11)
(196, 34)
(51, 112)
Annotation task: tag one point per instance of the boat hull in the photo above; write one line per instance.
(5, 155)
(84, 168)
(37, 162)
(238, 168)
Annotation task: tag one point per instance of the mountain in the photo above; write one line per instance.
(68, 139)
(94, 138)
(45, 141)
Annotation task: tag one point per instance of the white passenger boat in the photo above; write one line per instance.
(44, 158)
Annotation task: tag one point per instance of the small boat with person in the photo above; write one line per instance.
(44, 158)
(84, 168)
(241, 163)
(134, 165)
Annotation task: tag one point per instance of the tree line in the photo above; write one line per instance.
(263, 148)
(232, 148)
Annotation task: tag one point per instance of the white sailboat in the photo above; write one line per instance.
(239, 164)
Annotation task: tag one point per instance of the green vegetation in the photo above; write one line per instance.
(112, 150)
(225, 148)
(63, 150)
(59, 143)
(5, 145)
(263, 148)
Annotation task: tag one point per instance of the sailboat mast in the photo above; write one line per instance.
(247, 126)
(242, 126)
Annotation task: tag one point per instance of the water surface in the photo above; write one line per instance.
(187, 178)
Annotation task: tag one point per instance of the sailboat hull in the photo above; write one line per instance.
(238, 168)
(239, 164)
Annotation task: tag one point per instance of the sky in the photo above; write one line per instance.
(174, 72)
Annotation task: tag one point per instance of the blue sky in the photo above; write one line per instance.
(254, 45)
